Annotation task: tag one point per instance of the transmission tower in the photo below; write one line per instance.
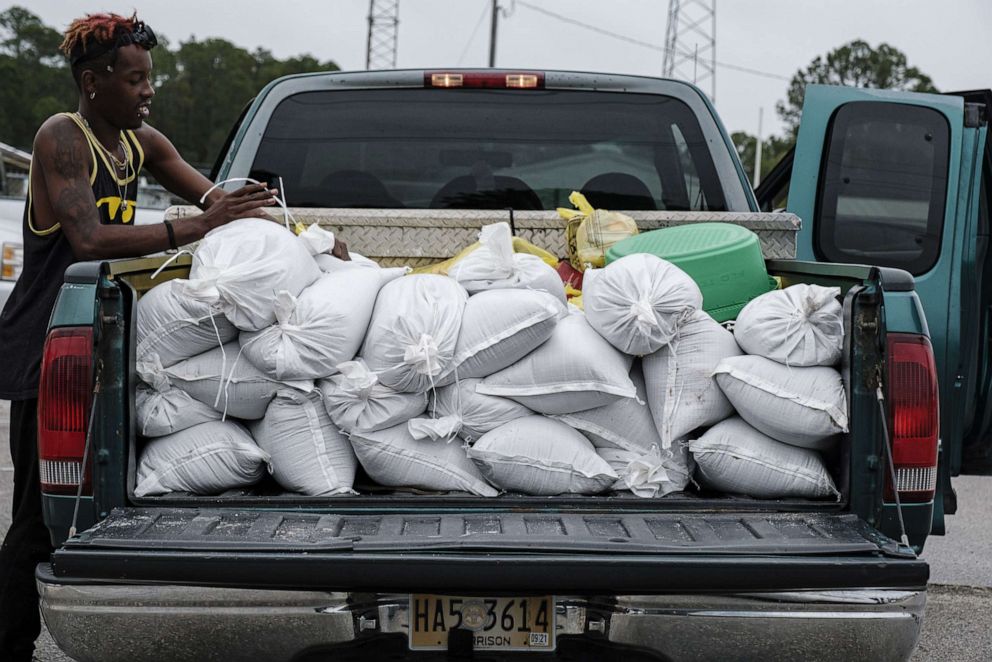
(384, 21)
(690, 43)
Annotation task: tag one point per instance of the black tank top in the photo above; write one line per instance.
(47, 254)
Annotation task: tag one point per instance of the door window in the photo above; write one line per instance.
(883, 184)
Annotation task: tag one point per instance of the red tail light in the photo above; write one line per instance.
(485, 79)
(64, 398)
(914, 417)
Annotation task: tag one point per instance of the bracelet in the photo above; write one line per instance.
(173, 248)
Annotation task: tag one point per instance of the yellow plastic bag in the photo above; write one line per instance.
(589, 232)
(519, 246)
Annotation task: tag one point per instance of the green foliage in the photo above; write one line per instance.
(201, 86)
(854, 64)
(773, 148)
(32, 78)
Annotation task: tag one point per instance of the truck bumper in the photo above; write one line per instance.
(107, 622)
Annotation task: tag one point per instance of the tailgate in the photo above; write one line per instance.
(489, 551)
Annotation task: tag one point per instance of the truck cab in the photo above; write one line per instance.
(902, 180)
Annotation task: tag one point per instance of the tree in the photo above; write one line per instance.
(202, 85)
(855, 64)
(773, 148)
(33, 77)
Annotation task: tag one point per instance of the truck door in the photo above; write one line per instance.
(892, 179)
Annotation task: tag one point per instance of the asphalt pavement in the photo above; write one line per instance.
(958, 623)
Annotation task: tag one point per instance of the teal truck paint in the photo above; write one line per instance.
(945, 212)
(298, 578)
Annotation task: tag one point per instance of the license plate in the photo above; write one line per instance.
(505, 624)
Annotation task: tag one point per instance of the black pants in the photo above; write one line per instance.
(27, 542)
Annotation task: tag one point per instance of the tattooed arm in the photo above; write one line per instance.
(63, 155)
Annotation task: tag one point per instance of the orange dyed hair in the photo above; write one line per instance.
(95, 28)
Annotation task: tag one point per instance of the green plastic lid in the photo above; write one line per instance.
(724, 259)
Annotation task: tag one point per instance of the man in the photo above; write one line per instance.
(81, 201)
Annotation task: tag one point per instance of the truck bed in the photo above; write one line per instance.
(431, 237)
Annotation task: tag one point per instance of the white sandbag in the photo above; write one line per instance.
(499, 327)
(529, 273)
(241, 267)
(802, 325)
(205, 459)
(229, 384)
(356, 401)
(492, 260)
(734, 457)
(176, 327)
(494, 266)
(392, 457)
(639, 302)
(649, 474)
(321, 328)
(414, 329)
(459, 410)
(330, 264)
(320, 243)
(681, 390)
(573, 370)
(804, 407)
(162, 409)
(540, 456)
(625, 423)
(308, 454)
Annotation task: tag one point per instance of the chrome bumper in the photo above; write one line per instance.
(111, 622)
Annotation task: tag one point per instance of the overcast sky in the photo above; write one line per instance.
(950, 40)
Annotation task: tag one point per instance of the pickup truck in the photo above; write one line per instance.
(265, 574)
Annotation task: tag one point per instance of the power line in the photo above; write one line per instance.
(478, 24)
(645, 44)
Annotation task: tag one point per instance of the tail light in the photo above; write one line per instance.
(914, 418)
(521, 80)
(64, 398)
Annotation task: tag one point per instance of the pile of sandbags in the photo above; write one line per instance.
(790, 399)
(481, 381)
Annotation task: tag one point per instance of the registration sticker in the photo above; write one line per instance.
(505, 624)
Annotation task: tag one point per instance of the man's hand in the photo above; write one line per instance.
(247, 201)
(340, 250)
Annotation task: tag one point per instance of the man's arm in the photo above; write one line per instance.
(64, 157)
(162, 159)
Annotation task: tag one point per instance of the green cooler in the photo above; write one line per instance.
(724, 259)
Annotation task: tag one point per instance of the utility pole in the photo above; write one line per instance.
(757, 151)
(492, 34)
(384, 20)
(690, 38)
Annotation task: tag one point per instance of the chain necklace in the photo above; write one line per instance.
(121, 164)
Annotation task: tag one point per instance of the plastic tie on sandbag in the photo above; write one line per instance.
(318, 240)
(356, 379)
(281, 198)
(646, 475)
(151, 371)
(445, 428)
(285, 306)
(642, 312)
(425, 356)
(172, 258)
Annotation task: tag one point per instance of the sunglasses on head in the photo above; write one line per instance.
(140, 35)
